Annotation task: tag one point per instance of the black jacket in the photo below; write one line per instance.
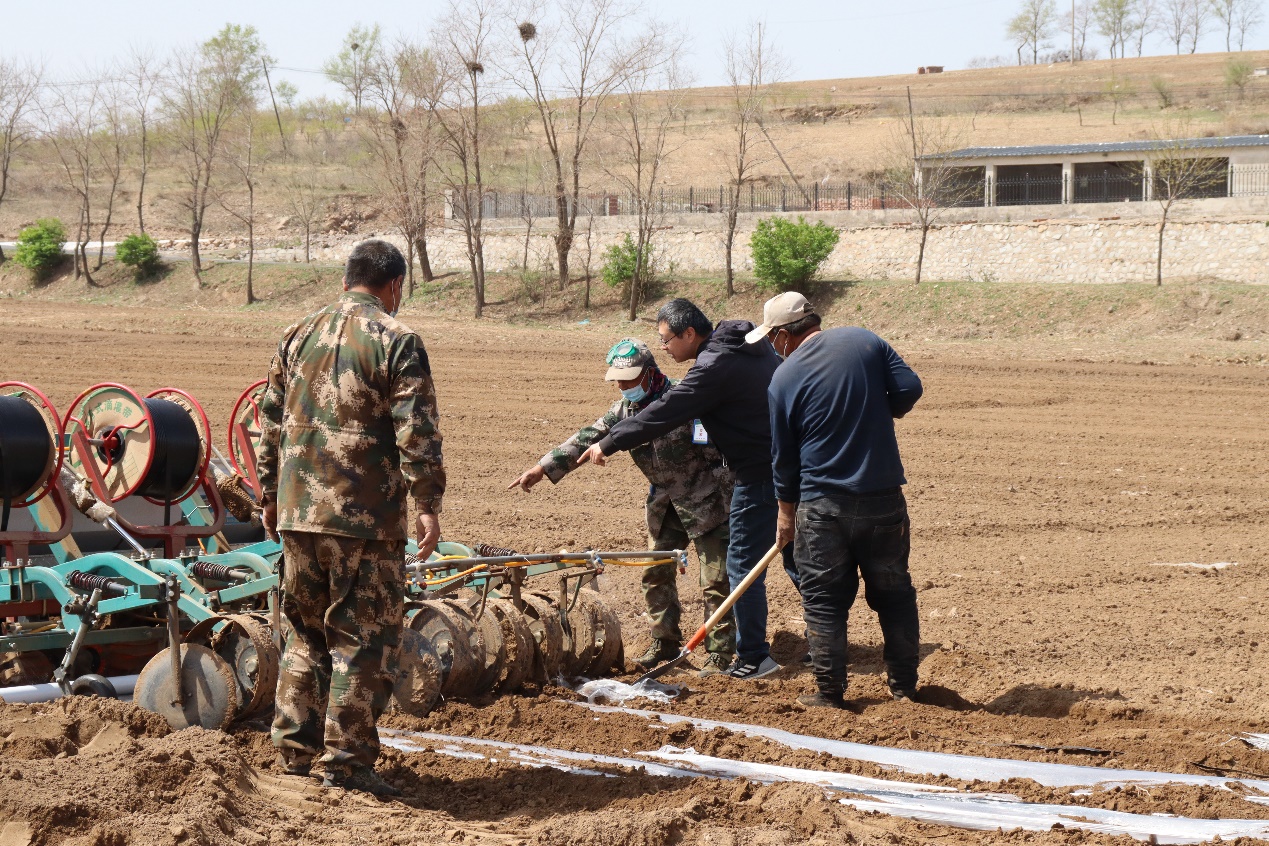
(727, 390)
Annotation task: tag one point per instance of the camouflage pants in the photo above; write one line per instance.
(343, 611)
(661, 595)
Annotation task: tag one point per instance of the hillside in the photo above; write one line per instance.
(826, 129)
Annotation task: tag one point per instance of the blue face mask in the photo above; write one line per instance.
(637, 394)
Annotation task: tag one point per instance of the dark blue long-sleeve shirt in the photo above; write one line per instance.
(833, 404)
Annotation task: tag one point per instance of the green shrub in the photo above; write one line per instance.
(787, 255)
(40, 246)
(619, 263)
(139, 251)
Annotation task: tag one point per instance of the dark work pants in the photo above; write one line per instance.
(840, 539)
(753, 531)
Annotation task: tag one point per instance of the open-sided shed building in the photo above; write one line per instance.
(1118, 171)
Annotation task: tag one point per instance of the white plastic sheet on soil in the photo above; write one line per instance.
(1194, 565)
(613, 692)
(925, 802)
(1260, 741)
(964, 767)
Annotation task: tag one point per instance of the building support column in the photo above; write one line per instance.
(989, 185)
(1147, 181)
(1068, 183)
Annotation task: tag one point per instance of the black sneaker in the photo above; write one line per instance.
(747, 671)
(820, 700)
(360, 778)
(658, 653)
(806, 660)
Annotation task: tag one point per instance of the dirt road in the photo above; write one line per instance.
(1051, 502)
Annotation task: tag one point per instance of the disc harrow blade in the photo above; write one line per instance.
(246, 644)
(517, 641)
(489, 629)
(208, 683)
(609, 651)
(453, 635)
(543, 620)
(418, 685)
(581, 627)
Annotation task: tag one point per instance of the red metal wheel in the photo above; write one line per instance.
(108, 414)
(247, 413)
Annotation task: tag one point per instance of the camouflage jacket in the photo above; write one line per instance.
(688, 477)
(350, 423)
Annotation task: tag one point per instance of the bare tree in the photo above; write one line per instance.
(923, 178)
(1118, 89)
(465, 50)
(1113, 19)
(1226, 11)
(1032, 26)
(352, 67)
(752, 66)
(212, 84)
(588, 240)
(640, 130)
(246, 158)
(1247, 17)
(19, 86)
(401, 134)
(1176, 20)
(1083, 19)
(142, 74)
(569, 58)
(1198, 18)
(1143, 19)
(110, 146)
(84, 126)
(305, 196)
(1176, 170)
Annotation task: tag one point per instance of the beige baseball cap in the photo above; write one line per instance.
(780, 310)
(627, 359)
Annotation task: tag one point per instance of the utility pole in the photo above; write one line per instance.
(1072, 31)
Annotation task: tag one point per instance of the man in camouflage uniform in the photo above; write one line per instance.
(689, 499)
(350, 436)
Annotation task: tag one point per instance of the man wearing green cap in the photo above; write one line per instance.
(690, 498)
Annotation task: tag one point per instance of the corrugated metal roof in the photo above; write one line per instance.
(1108, 147)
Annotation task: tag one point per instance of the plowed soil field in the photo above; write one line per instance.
(1055, 507)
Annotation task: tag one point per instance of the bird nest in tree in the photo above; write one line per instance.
(475, 67)
(528, 31)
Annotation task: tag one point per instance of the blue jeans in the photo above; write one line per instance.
(841, 539)
(753, 531)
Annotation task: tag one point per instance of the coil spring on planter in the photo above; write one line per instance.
(208, 570)
(89, 581)
(485, 550)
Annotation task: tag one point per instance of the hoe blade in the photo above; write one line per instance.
(657, 672)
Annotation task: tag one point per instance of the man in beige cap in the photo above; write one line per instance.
(689, 499)
(838, 479)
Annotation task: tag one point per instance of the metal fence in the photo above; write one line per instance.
(714, 199)
(1108, 186)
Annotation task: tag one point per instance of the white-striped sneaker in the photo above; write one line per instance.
(747, 671)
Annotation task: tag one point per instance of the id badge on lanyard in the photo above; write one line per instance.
(699, 435)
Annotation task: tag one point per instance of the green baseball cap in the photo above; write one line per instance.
(627, 359)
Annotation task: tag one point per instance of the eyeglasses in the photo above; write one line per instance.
(665, 342)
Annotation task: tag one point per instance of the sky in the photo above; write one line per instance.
(820, 39)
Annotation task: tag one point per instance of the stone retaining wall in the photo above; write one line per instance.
(1103, 244)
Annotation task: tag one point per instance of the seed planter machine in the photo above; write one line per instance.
(197, 611)
(494, 618)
